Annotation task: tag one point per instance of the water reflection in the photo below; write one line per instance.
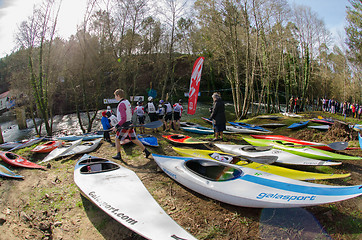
(290, 223)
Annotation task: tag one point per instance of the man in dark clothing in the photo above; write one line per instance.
(218, 116)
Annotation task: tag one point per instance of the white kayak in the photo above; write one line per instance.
(291, 115)
(59, 151)
(27, 143)
(121, 194)
(247, 187)
(283, 156)
(237, 129)
(83, 147)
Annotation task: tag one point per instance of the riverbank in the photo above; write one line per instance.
(48, 205)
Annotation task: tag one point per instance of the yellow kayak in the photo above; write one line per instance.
(281, 171)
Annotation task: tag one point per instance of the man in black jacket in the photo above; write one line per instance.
(218, 116)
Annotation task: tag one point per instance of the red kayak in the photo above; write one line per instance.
(47, 147)
(293, 140)
(18, 161)
(323, 121)
(183, 139)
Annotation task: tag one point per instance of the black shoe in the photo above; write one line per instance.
(118, 156)
(147, 152)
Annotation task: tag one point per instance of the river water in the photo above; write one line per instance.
(68, 124)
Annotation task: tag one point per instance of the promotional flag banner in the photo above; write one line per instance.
(194, 85)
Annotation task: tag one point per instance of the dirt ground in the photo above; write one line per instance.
(48, 205)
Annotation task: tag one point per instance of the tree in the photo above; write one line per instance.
(354, 31)
(36, 36)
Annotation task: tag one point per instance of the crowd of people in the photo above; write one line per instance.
(346, 109)
(170, 115)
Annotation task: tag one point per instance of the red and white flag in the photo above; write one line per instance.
(194, 85)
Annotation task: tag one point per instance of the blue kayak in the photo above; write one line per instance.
(249, 126)
(298, 125)
(5, 172)
(360, 140)
(148, 140)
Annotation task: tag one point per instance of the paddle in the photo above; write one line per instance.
(335, 146)
(259, 159)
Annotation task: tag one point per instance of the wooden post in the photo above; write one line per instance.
(21, 118)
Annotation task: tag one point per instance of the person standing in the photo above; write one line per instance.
(218, 116)
(168, 115)
(291, 104)
(124, 127)
(161, 113)
(140, 111)
(106, 127)
(177, 113)
(151, 110)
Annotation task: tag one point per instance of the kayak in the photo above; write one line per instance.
(83, 147)
(183, 139)
(189, 124)
(281, 171)
(293, 140)
(322, 121)
(5, 172)
(119, 192)
(27, 143)
(357, 127)
(271, 117)
(242, 130)
(360, 140)
(148, 140)
(292, 115)
(272, 125)
(84, 137)
(61, 150)
(18, 161)
(47, 147)
(320, 127)
(283, 156)
(303, 151)
(248, 187)
(298, 125)
(10, 145)
(199, 130)
(249, 126)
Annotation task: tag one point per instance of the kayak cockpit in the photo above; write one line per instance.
(177, 137)
(92, 160)
(255, 148)
(213, 171)
(11, 156)
(98, 167)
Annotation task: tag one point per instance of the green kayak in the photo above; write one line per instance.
(303, 151)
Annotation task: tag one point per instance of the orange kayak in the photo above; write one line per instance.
(47, 147)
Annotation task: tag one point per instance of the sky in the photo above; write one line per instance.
(13, 12)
